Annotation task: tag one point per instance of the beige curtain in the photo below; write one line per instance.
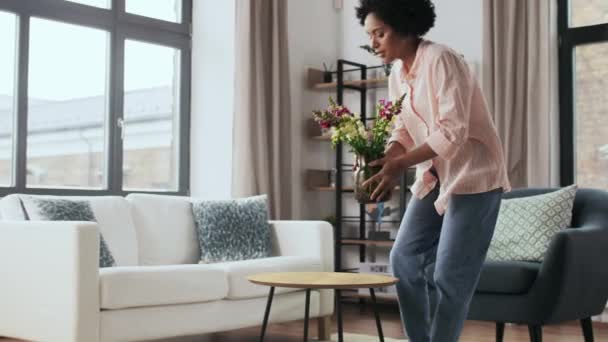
(262, 120)
(520, 82)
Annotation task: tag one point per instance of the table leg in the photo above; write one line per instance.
(267, 313)
(378, 324)
(339, 315)
(306, 315)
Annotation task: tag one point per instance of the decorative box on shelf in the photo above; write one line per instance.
(315, 131)
(376, 267)
(321, 179)
(375, 235)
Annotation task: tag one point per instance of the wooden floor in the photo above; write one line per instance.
(359, 319)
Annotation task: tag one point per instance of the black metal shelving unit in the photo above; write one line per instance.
(358, 241)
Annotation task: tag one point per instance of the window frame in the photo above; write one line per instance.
(13, 115)
(569, 39)
(120, 26)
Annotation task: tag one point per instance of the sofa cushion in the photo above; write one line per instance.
(165, 229)
(526, 225)
(230, 230)
(238, 271)
(43, 209)
(128, 287)
(512, 277)
(112, 214)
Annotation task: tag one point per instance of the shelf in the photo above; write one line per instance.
(315, 81)
(412, 168)
(323, 188)
(355, 219)
(344, 189)
(359, 81)
(384, 243)
(332, 188)
(367, 84)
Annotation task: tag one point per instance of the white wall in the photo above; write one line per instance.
(459, 25)
(313, 39)
(212, 98)
(213, 91)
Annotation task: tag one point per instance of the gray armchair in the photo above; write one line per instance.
(570, 284)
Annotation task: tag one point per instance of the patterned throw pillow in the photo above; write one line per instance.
(526, 225)
(230, 230)
(47, 209)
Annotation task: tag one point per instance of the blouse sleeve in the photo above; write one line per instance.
(399, 133)
(453, 87)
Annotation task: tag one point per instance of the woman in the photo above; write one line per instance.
(444, 129)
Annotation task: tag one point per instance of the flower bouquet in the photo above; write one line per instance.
(367, 143)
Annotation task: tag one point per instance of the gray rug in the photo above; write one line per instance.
(362, 338)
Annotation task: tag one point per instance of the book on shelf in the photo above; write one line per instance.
(381, 268)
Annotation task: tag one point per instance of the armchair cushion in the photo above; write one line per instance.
(526, 225)
(507, 277)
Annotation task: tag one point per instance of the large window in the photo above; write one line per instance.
(151, 123)
(66, 105)
(169, 10)
(97, 3)
(583, 26)
(8, 42)
(94, 96)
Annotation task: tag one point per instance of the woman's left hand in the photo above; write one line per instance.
(388, 177)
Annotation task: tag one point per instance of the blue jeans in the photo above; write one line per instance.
(438, 259)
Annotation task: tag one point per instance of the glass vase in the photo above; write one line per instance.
(361, 173)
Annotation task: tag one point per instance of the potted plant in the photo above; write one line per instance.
(367, 143)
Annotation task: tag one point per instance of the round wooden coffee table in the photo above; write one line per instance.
(322, 280)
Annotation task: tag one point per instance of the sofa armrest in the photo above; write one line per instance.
(573, 278)
(50, 278)
(306, 238)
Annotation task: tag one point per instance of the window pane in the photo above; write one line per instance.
(151, 117)
(8, 44)
(591, 115)
(66, 141)
(96, 3)
(168, 10)
(588, 12)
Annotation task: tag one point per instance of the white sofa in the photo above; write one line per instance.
(52, 289)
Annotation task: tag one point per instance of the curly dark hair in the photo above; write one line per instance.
(406, 17)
